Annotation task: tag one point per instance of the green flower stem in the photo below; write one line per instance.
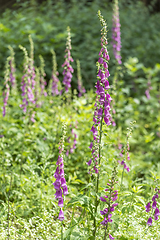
(62, 230)
(97, 179)
(122, 178)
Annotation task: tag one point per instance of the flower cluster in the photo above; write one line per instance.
(81, 89)
(103, 99)
(54, 84)
(110, 199)
(68, 70)
(60, 183)
(154, 207)
(116, 34)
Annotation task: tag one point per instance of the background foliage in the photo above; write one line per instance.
(47, 24)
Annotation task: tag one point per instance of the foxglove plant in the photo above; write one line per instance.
(68, 70)
(102, 110)
(9, 76)
(27, 85)
(110, 199)
(116, 33)
(12, 71)
(43, 83)
(55, 81)
(81, 89)
(103, 99)
(60, 183)
(116, 43)
(125, 150)
(153, 205)
(6, 91)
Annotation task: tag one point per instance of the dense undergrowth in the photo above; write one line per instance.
(31, 140)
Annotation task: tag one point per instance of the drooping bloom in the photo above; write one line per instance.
(149, 222)
(103, 99)
(60, 183)
(116, 33)
(68, 70)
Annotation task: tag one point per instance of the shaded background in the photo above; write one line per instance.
(47, 21)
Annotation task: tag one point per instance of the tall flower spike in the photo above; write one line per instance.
(53, 88)
(153, 206)
(110, 199)
(81, 89)
(28, 85)
(103, 99)
(43, 83)
(116, 33)
(60, 183)
(12, 71)
(6, 91)
(125, 149)
(68, 70)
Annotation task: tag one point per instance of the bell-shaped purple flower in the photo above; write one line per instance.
(61, 215)
(149, 222)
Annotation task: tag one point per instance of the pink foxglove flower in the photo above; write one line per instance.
(116, 33)
(60, 183)
(68, 70)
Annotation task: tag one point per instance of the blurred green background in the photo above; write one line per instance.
(47, 22)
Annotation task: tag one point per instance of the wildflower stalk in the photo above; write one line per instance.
(97, 180)
(68, 70)
(81, 89)
(101, 112)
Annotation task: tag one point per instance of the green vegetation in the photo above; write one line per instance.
(30, 142)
